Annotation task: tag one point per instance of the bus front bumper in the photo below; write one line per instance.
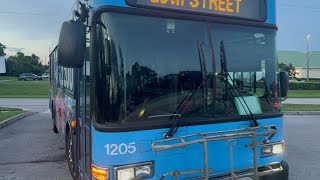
(276, 171)
(282, 175)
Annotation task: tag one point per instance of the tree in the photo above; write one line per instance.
(20, 63)
(289, 68)
(2, 48)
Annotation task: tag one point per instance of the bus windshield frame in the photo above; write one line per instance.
(106, 122)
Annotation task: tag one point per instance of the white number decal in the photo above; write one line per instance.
(114, 149)
(123, 148)
(132, 148)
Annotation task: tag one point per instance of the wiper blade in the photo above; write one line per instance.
(164, 115)
(174, 128)
(231, 89)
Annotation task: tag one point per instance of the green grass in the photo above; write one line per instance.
(304, 94)
(9, 109)
(23, 89)
(300, 107)
(7, 78)
(6, 113)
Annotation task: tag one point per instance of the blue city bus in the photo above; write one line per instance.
(170, 89)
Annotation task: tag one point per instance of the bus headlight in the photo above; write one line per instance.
(125, 174)
(134, 171)
(272, 149)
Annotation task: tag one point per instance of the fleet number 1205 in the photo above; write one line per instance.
(121, 149)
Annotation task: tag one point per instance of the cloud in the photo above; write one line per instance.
(32, 24)
(14, 49)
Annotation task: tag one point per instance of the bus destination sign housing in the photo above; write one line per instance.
(246, 9)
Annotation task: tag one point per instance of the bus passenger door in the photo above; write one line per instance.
(84, 134)
(81, 127)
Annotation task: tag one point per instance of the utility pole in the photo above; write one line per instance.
(308, 55)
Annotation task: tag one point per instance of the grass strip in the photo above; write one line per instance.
(300, 107)
(23, 89)
(9, 109)
(6, 115)
(304, 94)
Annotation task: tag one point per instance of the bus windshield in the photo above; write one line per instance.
(152, 68)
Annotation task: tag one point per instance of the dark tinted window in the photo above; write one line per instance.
(251, 64)
(151, 71)
(161, 68)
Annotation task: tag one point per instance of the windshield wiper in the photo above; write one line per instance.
(174, 128)
(231, 90)
(163, 115)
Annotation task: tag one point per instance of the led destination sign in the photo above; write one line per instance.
(249, 9)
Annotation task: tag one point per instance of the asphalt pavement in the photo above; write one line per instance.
(302, 101)
(30, 150)
(302, 147)
(35, 104)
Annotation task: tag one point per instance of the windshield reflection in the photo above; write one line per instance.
(150, 68)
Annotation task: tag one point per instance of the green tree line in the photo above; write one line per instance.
(20, 63)
(289, 68)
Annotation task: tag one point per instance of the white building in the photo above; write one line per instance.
(314, 72)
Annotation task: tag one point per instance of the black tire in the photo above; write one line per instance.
(54, 127)
(55, 130)
(25, 79)
(70, 155)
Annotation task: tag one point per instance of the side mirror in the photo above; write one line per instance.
(284, 84)
(72, 43)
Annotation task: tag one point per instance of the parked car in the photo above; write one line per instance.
(292, 79)
(36, 77)
(45, 75)
(29, 76)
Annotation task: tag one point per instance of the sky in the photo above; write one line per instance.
(32, 26)
(296, 19)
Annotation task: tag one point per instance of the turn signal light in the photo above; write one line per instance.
(99, 173)
(73, 123)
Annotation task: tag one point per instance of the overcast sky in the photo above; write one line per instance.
(32, 26)
(296, 19)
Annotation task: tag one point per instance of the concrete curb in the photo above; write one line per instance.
(15, 118)
(302, 113)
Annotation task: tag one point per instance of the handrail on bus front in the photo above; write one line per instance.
(225, 135)
(228, 136)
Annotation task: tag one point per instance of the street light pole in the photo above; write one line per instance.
(308, 55)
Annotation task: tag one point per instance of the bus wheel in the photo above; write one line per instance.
(54, 128)
(70, 155)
